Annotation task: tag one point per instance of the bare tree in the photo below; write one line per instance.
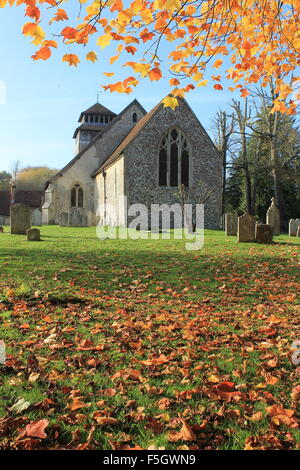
(224, 127)
(242, 117)
(186, 195)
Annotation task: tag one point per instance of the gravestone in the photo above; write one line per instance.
(33, 235)
(1, 229)
(246, 229)
(64, 219)
(77, 217)
(293, 226)
(37, 217)
(20, 218)
(273, 217)
(298, 231)
(263, 233)
(231, 223)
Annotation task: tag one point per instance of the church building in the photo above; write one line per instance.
(135, 156)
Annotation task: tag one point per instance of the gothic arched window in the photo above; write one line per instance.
(174, 156)
(76, 196)
(134, 117)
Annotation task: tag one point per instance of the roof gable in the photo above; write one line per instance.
(138, 128)
(101, 132)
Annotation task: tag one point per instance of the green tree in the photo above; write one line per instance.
(34, 177)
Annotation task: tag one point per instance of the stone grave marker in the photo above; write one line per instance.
(33, 235)
(20, 219)
(263, 233)
(246, 228)
(293, 226)
(231, 223)
(273, 217)
(37, 217)
(64, 219)
(77, 217)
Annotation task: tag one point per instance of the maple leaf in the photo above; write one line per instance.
(60, 15)
(72, 59)
(44, 53)
(217, 64)
(37, 428)
(35, 31)
(171, 102)
(155, 74)
(92, 56)
(104, 41)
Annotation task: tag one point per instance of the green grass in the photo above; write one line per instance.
(220, 314)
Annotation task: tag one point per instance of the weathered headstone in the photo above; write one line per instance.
(298, 231)
(20, 218)
(273, 217)
(246, 228)
(33, 235)
(64, 219)
(263, 233)
(37, 217)
(231, 223)
(293, 226)
(77, 217)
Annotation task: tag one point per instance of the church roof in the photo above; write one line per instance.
(94, 140)
(88, 127)
(136, 130)
(30, 198)
(97, 108)
(129, 138)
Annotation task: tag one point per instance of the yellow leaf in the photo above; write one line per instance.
(170, 102)
(202, 83)
(104, 40)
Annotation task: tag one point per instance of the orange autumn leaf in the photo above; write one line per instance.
(217, 86)
(72, 59)
(92, 56)
(33, 12)
(185, 434)
(60, 15)
(77, 404)
(281, 416)
(217, 64)
(44, 53)
(37, 429)
(155, 74)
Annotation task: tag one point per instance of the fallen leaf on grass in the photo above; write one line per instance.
(185, 434)
(20, 405)
(37, 428)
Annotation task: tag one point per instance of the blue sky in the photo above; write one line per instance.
(44, 98)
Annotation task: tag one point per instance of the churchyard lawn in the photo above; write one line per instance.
(130, 344)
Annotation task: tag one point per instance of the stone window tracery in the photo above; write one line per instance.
(77, 196)
(174, 159)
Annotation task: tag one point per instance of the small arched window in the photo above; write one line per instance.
(174, 164)
(134, 117)
(76, 196)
